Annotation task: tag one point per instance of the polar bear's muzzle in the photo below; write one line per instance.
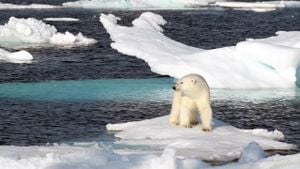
(176, 87)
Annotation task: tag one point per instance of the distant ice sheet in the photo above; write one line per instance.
(261, 6)
(20, 31)
(253, 6)
(5, 6)
(15, 57)
(139, 4)
(265, 63)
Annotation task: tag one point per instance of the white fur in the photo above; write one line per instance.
(191, 102)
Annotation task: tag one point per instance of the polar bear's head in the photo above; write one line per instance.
(189, 84)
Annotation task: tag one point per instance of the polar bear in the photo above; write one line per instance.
(191, 99)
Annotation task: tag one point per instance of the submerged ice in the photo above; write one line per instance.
(122, 90)
(262, 63)
(20, 31)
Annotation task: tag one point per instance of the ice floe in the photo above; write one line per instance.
(20, 31)
(251, 64)
(6, 6)
(95, 156)
(62, 19)
(15, 57)
(225, 143)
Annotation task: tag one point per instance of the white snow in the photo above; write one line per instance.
(225, 143)
(32, 31)
(252, 64)
(15, 57)
(5, 6)
(65, 19)
(95, 156)
(139, 4)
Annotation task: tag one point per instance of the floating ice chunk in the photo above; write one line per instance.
(15, 57)
(62, 19)
(252, 64)
(32, 31)
(139, 4)
(251, 153)
(6, 6)
(225, 143)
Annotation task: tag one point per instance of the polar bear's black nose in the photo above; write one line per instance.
(174, 88)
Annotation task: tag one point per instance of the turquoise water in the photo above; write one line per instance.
(122, 90)
(90, 90)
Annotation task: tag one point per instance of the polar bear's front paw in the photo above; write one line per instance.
(206, 129)
(186, 125)
(173, 122)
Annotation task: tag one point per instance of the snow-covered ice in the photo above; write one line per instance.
(216, 146)
(15, 57)
(6, 6)
(251, 64)
(139, 4)
(20, 31)
(65, 19)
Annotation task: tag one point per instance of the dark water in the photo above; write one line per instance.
(36, 122)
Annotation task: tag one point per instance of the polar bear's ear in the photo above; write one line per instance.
(194, 81)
